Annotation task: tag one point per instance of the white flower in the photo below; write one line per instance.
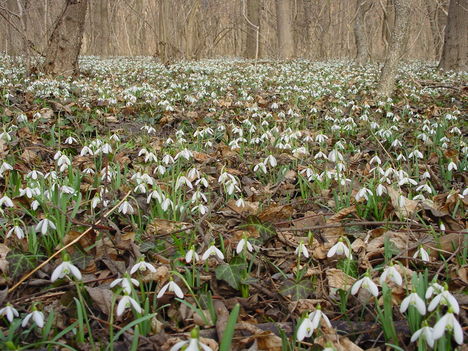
(142, 266)
(44, 225)
(126, 284)
(240, 203)
(448, 322)
(301, 249)
(70, 140)
(10, 312)
(452, 166)
(125, 207)
(362, 193)
(392, 274)
(191, 255)
(367, 284)
(422, 254)
(380, 190)
(6, 201)
(212, 250)
(37, 317)
(444, 298)
(413, 299)
(260, 166)
(243, 243)
(271, 160)
(317, 316)
(5, 167)
(183, 180)
(193, 345)
(427, 333)
(305, 330)
(434, 288)
(339, 249)
(63, 269)
(17, 230)
(125, 302)
(172, 286)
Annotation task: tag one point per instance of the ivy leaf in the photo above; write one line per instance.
(296, 290)
(231, 273)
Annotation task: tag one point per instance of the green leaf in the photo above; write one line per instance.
(297, 290)
(226, 341)
(231, 273)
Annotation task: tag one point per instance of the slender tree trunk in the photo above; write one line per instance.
(253, 11)
(362, 46)
(432, 15)
(284, 29)
(455, 51)
(396, 48)
(65, 40)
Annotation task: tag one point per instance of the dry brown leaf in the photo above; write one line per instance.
(375, 247)
(405, 210)
(161, 275)
(102, 297)
(3, 261)
(337, 279)
(276, 213)
(160, 226)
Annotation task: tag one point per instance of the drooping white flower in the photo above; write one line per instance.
(365, 283)
(17, 230)
(63, 269)
(44, 225)
(363, 193)
(426, 333)
(413, 299)
(142, 266)
(244, 243)
(125, 207)
(172, 287)
(126, 283)
(434, 288)
(339, 249)
(444, 298)
(317, 316)
(212, 251)
(191, 255)
(301, 249)
(305, 330)
(10, 312)
(37, 317)
(422, 254)
(391, 273)
(452, 166)
(193, 344)
(6, 201)
(448, 322)
(125, 302)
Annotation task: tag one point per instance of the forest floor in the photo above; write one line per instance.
(233, 204)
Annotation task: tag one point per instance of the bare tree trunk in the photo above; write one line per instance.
(362, 46)
(252, 48)
(455, 51)
(432, 15)
(284, 29)
(396, 48)
(65, 40)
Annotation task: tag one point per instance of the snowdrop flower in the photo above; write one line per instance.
(380, 190)
(125, 207)
(240, 202)
(70, 140)
(172, 287)
(452, 166)
(444, 298)
(320, 154)
(426, 333)
(416, 154)
(142, 266)
(375, 159)
(302, 250)
(126, 283)
(5, 167)
(34, 175)
(421, 253)
(125, 302)
(63, 162)
(63, 269)
(183, 180)
(305, 330)
(193, 344)
(37, 317)
(434, 288)
(86, 151)
(10, 312)
(363, 193)
(334, 156)
(35, 205)
(44, 225)
(392, 274)
(242, 244)
(317, 316)
(339, 249)
(106, 148)
(320, 138)
(448, 322)
(260, 166)
(17, 230)
(212, 251)
(424, 187)
(367, 284)
(413, 299)
(200, 208)
(6, 202)
(191, 255)
(271, 160)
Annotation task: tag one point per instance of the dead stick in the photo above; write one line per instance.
(348, 224)
(78, 238)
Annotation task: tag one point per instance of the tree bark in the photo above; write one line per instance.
(396, 48)
(362, 46)
(286, 49)
(65, 41)
(455, 50)
(252, 48)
